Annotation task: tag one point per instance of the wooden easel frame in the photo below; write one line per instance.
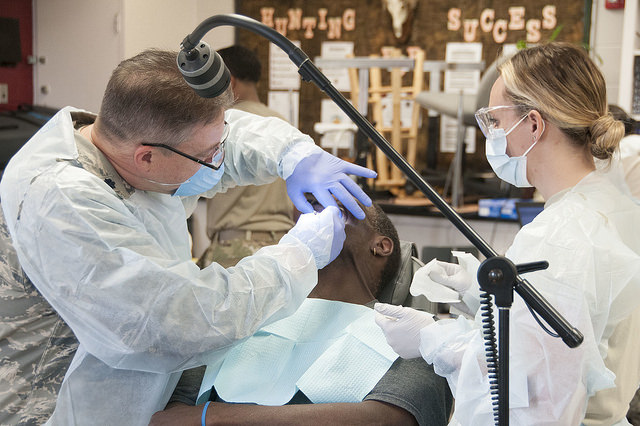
(403, 139)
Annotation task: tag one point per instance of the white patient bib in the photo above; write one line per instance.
(331, 351)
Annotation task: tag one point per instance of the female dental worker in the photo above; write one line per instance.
(97, 283)
(547, 119)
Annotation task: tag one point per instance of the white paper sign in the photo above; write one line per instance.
(285, 103)
(449, 135)
(331, 113)
(406, 112)
(339, 77)
(456, 82)
(336, 128)
(283, 74)
(463, 53)
(465, 81)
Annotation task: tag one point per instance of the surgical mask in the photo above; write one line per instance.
(510, 169)
(202, 181)
(207, 176)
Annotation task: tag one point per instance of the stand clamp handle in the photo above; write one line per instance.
(497, 276)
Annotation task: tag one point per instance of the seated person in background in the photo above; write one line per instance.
(245, 218)
(326, 363)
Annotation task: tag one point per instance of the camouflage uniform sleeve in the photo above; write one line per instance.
(36, 345)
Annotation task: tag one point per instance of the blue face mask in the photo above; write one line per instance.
(202, 181)
(510, 169)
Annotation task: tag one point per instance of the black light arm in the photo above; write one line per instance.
(309, 72)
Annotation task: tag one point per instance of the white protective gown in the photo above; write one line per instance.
(590, 234)
(116, 264)
(630, 160)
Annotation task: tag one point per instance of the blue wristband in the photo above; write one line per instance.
(204, 414)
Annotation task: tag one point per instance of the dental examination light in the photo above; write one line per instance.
(206, 73)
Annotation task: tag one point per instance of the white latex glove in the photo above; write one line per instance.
(322, 232)
(451, 283)
(401, 327)
(451, 275)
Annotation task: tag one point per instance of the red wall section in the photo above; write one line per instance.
(20, 77)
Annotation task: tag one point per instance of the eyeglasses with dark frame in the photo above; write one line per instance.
(218, 155)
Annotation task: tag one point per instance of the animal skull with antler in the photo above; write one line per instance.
(401, 12)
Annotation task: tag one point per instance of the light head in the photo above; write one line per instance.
(204, 70)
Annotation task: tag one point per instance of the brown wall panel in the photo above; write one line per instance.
(504, 21)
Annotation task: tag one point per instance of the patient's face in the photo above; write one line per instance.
(358, 232)
(356, 261)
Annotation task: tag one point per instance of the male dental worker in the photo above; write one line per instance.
(101, 306)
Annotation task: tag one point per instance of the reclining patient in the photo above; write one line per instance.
(327, 363)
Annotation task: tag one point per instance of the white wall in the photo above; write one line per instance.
(629, 50)
(606, 39)
(221, 36)
(82, 41)
(77, 51)
(164, 23)
(156, 23)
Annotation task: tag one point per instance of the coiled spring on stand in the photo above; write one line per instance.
(491, 349)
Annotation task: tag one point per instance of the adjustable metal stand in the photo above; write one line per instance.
(497, 275)
(309, 72)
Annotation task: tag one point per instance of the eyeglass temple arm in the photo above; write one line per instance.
(184, 154)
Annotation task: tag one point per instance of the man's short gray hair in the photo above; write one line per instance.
(147, 100)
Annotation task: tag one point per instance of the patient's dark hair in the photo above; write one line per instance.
(383, 226)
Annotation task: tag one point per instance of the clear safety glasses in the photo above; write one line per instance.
(218, 155)
(497, 117)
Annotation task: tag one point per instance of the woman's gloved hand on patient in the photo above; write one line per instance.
(450, 275)
(450, 283)
(401, 327)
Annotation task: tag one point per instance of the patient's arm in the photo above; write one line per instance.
(220, 413)
(410, 391)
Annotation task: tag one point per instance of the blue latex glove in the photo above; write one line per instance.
(322, 232)
(325, 176)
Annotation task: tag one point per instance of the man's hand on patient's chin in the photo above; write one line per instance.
(177, 414)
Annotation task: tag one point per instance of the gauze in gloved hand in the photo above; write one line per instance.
(325, 176)
(322, 232)
(444, 282)
(401, 327)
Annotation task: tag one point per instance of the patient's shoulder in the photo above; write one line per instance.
(413, 385)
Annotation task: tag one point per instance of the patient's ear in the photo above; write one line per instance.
(383, 245)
